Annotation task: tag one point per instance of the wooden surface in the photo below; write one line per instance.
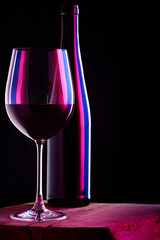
(97, 221)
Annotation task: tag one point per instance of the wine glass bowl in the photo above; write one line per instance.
(39, 100)
(39, 94)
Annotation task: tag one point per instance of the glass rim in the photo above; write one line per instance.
(39, 49)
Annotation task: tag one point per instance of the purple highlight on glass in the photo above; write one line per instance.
(58, 73)
(10, 76)
(62, 74)
(18, 75)
(22, 78)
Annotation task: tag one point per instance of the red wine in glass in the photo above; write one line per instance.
(39, 121)
(39, 100)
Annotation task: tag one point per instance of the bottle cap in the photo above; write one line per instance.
(69, 9)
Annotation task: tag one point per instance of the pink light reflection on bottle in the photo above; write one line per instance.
(81, 114)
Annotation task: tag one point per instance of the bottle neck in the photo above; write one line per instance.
(69, 31)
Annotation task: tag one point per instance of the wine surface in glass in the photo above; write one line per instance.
(39, 121)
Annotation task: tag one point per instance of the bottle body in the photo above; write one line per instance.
(69, 152)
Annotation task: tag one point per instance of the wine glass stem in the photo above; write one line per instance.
(39, 204)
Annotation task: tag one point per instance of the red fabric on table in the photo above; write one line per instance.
(97, 221)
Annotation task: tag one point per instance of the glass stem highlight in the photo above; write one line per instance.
(39, 204)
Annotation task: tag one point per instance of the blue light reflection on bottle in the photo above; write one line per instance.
(85, 118)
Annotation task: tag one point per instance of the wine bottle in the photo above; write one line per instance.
(69, 152)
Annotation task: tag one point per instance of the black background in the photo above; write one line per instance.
(124, 160)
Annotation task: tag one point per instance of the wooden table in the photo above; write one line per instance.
(97, 221)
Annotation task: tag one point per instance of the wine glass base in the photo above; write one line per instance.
(38, 216)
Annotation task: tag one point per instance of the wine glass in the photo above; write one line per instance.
(39, 101)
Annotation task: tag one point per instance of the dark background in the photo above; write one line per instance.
(124, 160)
